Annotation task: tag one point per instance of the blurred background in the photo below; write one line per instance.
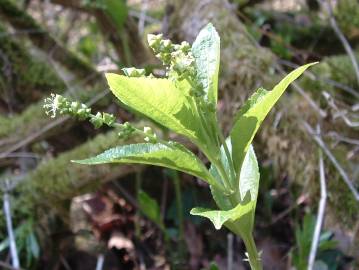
(68, 216)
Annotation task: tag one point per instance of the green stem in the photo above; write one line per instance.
(253, 256)
(211, 155)
(228, 155)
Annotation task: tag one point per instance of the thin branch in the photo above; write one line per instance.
(100, 261)
(321, 211)
(5, 265)
(46, 128)
(23, 155)
(302, 92)
(22, 21)
(329, 154)
(341, 37)
(339, 113)
(13, 250)
(341, 138)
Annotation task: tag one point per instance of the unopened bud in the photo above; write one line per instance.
(134, 72)
(96, 120)
(108, 119)
(154, 41)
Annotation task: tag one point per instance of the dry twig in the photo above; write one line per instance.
(341, 36)
(13, 250)
(321, 211)
(331, 157)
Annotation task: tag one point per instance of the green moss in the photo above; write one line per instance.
(26, 77)
(21, 20)
(347, 14)
(343, 205)
(335, 68)
(57, 180)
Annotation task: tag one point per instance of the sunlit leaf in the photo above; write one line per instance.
(252, 114)
(161, 100)
(206, 51)
(247, 190)
(172, 155)
(219, 217)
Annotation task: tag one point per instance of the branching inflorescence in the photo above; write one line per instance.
(185, 102)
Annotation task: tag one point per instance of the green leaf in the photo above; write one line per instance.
(219, 217)
(162, 100)
(150, 208)
(252, 114)
(247, 191)
(206, 51)
(172, 155)
(249, 176)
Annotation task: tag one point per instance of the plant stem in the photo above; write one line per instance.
(228, 155)
(253, 256)
(252, 253)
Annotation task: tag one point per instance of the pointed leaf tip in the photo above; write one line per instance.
(220, 217)
(250, 117)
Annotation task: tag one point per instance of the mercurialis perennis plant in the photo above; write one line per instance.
(185, 102)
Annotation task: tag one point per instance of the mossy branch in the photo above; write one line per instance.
(22, 21)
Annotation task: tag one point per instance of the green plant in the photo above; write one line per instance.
(304, 237)
(185, 103)
(26, 242)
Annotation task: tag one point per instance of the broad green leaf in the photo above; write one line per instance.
(159, 99)
(150, 208)
(172, 155)
(206, 51)
(249, 176)
(247, 192)
(219, 217)
(251, 116)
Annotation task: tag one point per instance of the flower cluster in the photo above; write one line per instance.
(57, 104)
(126, 130)
(99, 119)
(177, 57)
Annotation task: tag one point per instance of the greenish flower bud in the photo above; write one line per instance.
(126, 130)
(96, 120)
(108, 119)
(166, 45)
(56, 104)
(83, 112)
(134, 72)
(185, 47)
(154, 41)
(165, 57)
